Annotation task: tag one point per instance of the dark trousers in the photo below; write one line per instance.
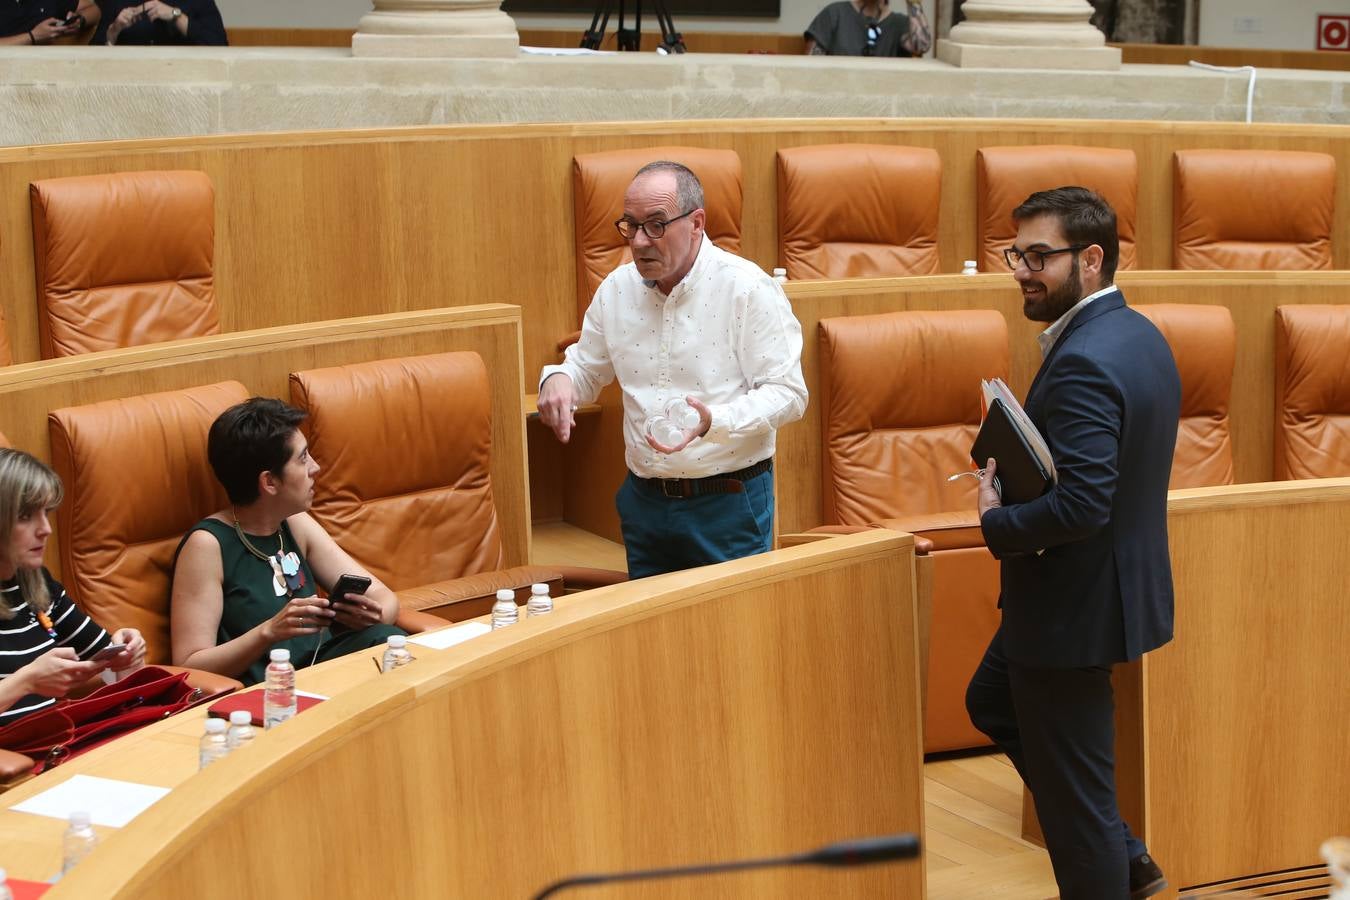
(1057, 728)
(667, 534)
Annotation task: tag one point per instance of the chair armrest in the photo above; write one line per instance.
(414, 621)
(946, 531)
(583, 578)
(15, 769)
(210, 684)
(569, 340)
(922, 544)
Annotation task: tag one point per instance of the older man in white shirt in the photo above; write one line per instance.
(686, 321)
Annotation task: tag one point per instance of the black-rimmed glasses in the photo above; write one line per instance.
(1035, 259)
(873, 35)
(654, 228)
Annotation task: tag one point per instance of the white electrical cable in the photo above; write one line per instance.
(1251, 80)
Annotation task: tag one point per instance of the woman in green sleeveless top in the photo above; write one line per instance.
(245, 579)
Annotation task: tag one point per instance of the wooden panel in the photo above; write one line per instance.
(720, 713)
(290, 37)
(263, 361)
(1246, 715)
(1181, 54)
(314, 225)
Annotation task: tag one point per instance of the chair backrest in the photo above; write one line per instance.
(136, 478)
(1006, 176)
(1204, 344)
(1312, 392)
(858, 210)
(405, 446)
(900, 407)
(599, 181)
(1252, 209)
(123, 259)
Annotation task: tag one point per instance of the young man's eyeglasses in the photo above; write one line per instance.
(873, 35)
(1035, 259)
(654, 228)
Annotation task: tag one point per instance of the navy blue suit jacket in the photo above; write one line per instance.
(1107, 400)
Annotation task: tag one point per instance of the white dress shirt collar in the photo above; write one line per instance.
(1050, 335)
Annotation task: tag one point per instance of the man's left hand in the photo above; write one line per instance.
(704, 423)
(987, 497)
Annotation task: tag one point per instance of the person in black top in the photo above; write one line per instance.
(869, 28)
(190, 22)
(27, 22)
(46, 641)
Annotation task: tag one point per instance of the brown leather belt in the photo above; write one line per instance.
(722, 483)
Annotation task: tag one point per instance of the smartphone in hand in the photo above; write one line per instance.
(107, 652)
(348, 584)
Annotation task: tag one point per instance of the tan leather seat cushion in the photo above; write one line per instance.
(1204, 344)
(1252, 209)
(900, 406)
(405, 446)
(1312, 391)
(136, 478)
(858, 210)
(599, 181)
(1006, 176)
(123, 260)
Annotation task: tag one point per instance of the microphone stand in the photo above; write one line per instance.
(845, 853)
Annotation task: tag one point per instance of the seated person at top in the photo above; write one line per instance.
(47, 643)
(869, 28)
(180, 22)
(27, 22)
(245, 578)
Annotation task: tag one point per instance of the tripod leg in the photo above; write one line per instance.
(630, 39)
(592, 39)
(671, 40)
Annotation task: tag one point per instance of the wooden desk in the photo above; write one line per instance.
(761, 706)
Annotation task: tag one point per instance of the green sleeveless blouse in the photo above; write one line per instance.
(250, 598)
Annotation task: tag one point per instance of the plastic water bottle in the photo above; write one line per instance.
(970, 267)
(504, 611)
(78, 840)
(541, 604)
(682, 414)
(396, 653)
(780, 275)
(241, 729)
(214, 745)
(5, 893)
(664, 432)
(279, 689)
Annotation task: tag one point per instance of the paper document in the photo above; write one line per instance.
(449, 637)
(995, 388)
(109, 802)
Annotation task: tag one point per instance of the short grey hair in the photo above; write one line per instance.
(688, 189)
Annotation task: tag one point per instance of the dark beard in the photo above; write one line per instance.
(1059, 301)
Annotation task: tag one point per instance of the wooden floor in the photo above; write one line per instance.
(973, 805)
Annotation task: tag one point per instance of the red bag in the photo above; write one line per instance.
(53, 735)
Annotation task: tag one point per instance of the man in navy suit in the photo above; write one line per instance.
(1086, 579)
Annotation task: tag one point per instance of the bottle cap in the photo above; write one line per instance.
(215, 726)
(970, 264)
(780, 271)
(506, 594)
(281, 654)
(241, 717)
(397, 641)
(539, 589)
(79, 818)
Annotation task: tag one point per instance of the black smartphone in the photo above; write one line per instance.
(348, 584)
(71, 18)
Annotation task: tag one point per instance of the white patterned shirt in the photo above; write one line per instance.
(725, 335)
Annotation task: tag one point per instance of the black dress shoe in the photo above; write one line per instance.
(1146, 879)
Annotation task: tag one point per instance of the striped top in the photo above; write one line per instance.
(23, 639)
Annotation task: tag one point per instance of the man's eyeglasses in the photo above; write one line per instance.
(654, 228)
(1035, 259)
(873, 35)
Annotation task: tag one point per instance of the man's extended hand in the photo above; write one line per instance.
(987, 497)
(557, 404)
(704, 423)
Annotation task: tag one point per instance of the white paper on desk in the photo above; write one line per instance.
(449, 637)
(109, 802)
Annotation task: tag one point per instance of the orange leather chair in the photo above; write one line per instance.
(1252, 209)
(858, 210)
(136, 480)
(123, 260)
(598, 184)
(405, 446)
(1312, 392)
(1006, 176)
(1204, 344)
(900, 407)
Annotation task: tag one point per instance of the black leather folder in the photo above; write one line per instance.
(1021, 477)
